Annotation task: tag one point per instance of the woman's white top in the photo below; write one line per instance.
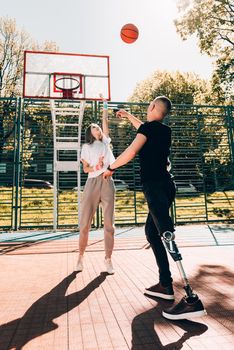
(92, 152)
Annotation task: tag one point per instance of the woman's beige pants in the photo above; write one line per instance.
(98, 190)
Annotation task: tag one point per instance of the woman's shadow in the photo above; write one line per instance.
(144, 335)
(38, 319)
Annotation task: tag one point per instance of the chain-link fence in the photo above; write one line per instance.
(202, 164)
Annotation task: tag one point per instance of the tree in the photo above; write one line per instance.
(13, 43)
(212, 21)
(193, 127)
(186, 88)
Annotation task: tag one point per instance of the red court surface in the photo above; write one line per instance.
(46, 305)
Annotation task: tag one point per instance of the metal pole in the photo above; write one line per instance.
(230, 126)
(199, 116)
(17, 162)
(81, 114)
(55, 211)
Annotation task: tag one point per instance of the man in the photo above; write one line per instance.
(153, 142)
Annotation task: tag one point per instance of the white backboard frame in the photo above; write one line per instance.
(40, 68)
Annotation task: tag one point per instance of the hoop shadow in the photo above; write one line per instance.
(38, 319)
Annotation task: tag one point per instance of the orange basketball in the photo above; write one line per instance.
(129, 33)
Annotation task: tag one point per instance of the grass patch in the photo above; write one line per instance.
(37, 207)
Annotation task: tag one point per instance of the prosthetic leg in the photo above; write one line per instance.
(190, 305)
(170, 244)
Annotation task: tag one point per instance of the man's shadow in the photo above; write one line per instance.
(38, 319)
(217, 304)
(144, 335)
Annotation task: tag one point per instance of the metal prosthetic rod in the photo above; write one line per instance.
(170, 244)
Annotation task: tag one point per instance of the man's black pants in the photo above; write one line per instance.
(159, 195)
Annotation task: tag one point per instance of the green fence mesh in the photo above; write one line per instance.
(201, 157)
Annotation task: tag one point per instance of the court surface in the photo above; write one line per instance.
(46, 305)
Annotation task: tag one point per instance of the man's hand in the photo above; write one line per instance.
(122, 114)
(107, 174)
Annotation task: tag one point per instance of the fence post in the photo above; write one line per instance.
(199, 117)
(230, 126)
(17, 162)
(167, 121)
(95, 111)
(135, 196)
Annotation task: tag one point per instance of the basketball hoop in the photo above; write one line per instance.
(43, 69)
(67, 85)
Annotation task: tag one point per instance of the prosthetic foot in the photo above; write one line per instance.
(190, 306)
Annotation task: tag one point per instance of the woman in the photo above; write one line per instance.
(96, 155)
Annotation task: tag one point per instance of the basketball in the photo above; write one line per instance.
(129, 33)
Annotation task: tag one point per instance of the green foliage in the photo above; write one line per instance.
(212, 21)
(223, 77)
(186, 88)
(27, 149)
(13, 43)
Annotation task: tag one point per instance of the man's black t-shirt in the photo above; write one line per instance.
(154, 153)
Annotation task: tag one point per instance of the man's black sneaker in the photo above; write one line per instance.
(161, 292)
(186, 308)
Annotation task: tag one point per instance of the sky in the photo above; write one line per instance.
(93, 27)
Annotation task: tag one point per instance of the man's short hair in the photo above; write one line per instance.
(166, 102)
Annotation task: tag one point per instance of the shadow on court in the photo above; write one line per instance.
(10, 245)
(38, 319)
(213, 283)
(144, 334)
(217, 304)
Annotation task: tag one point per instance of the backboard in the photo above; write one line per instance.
(55, 75)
